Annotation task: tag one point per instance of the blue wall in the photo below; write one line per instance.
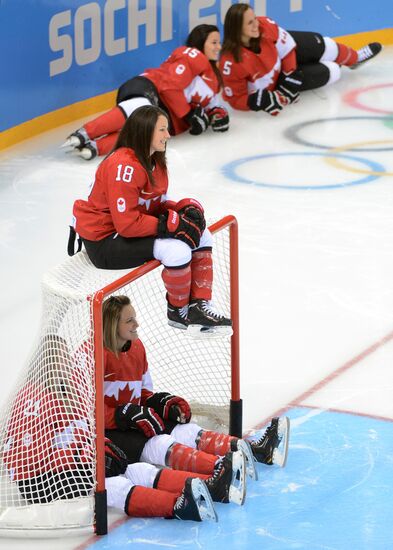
(58, 52)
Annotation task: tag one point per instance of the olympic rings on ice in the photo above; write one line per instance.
(334, 160)
(229, 170)
(352, 98)
(292, 132)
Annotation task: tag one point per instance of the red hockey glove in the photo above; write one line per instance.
(171, 225)
(265, 100)
(219, 119)
(289, 85)
(144, 419)
(115, 460)
(198, 121)
(193, 210)
(170, 407)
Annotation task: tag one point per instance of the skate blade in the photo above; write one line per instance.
(174, 324)
(71, 142)
(280, 454)
(237, 490)
(203, 500)
(251, 469)
(200, 332)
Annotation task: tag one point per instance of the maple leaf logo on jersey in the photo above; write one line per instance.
(196, 99)
(121, 204)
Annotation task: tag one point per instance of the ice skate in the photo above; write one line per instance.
(272, 447)
(228, 483)
(177, 316)
(87, 152)
(366, 53)
(76, 139)
(204, 321)
(245, 447)
(195, 502)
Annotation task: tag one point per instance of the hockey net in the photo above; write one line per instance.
(51, 434)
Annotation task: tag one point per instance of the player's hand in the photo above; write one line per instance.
(171, 225)
(115, 460)
(290, 85)
(170, 407)
(198, 120)
(219, 119)
(144, 419)
(270, 102)
(193, 210)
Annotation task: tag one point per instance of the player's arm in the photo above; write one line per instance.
(235, 80)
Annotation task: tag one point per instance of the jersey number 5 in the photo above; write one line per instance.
(227, 68)
(124, 173)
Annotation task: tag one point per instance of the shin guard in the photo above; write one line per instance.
(106, 144)
(346, 55)
(173, 481)
(202, 275)
(181, 457)
(143, 502)
(214, 443)
(177, 282)
(109, 122)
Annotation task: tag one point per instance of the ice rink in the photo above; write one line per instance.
(310, 190)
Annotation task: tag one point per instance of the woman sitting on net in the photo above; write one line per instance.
(186, 86)
(128, 219)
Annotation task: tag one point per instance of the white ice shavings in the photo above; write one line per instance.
(334, 14)
(291, 488)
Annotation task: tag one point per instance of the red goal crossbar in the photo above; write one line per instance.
(235, 416)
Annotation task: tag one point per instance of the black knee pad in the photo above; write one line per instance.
(315, 75)
(310, 46)
(139, 86)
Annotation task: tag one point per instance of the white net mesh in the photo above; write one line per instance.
(47, 435)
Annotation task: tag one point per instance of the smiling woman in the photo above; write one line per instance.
(185, 86)
(128, 220)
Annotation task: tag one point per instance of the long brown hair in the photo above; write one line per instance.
(233, 25)
(197, 38)
(137, 134)
(111, 312)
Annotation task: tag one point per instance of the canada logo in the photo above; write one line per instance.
(121, 204)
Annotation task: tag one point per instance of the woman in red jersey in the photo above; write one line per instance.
(128, 220)
(264, 67)
(49, 450)
(156, 427)
(186, 86)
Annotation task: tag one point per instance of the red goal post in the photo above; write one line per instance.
(204, 371)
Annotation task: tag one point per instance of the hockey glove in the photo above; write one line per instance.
(171, 225)
(265, 100)
(219, 119)
(193, 210)
(198, 121)
(115, 460)
(170, 407)
(144, 419)
(290, 85)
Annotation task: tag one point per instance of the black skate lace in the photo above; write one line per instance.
(180, 501)
(264, 436)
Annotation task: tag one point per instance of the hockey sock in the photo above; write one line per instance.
(177, 282)
(214, 442)
(105, 144)
(174, 480)
(346, 55)
(202, 275)
(109, 122)
(181, 457)
(144, 502)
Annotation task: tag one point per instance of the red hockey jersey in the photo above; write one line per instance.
(44, 436)
(258, 71)
(184, 80)
(127, 380)
(122, 199)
